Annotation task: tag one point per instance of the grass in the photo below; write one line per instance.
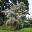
(26, 30)
(9, 29)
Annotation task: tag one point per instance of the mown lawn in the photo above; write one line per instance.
(9, 29)
(26, 30)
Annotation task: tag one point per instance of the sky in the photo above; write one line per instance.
(30, 8)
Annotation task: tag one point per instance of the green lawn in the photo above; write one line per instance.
(26, 30)
(9, 29)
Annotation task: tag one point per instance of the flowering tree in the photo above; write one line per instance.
(17, 15)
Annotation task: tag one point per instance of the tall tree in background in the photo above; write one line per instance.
(17, 15)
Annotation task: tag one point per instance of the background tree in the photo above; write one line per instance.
(17, 15)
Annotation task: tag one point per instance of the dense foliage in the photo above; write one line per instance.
(15, 15)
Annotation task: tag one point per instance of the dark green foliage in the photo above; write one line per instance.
(2, 18)
(13, 1)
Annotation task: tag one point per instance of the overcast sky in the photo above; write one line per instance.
(30, 8)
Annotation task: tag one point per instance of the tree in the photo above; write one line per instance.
(17, 14)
